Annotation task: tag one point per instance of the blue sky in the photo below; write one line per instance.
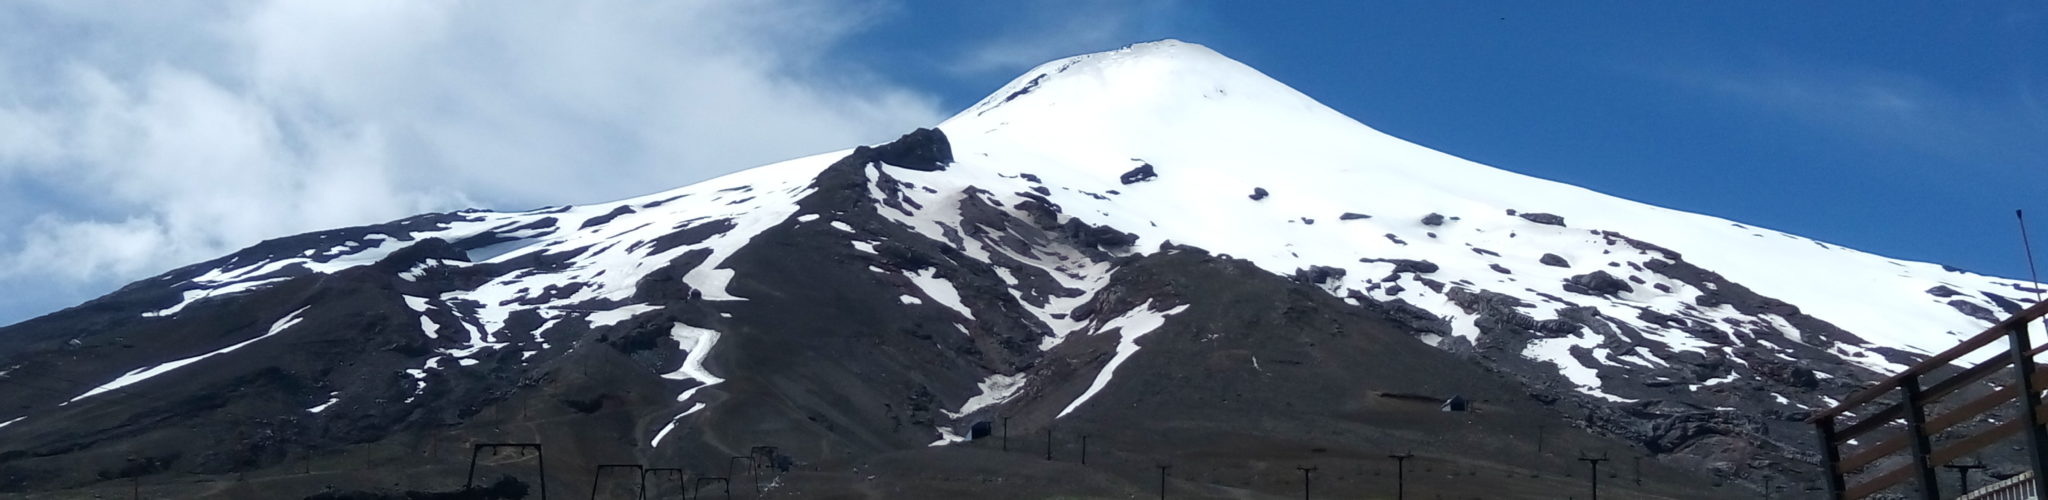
(136, 140)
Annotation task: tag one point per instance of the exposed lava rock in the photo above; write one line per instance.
(1353, 216)
(1258, 194)
(1943, 291)
(1082, 233)
(1407, 265)
(1552, 260)
(1500, 269)
(1136, 175)
(1973, 310)
(924, 149)
(1433, 219)
(1597, 283)
(1319, 275)
(1542, 218)
(607, 217)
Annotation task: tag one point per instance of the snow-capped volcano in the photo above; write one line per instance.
(1023, 259)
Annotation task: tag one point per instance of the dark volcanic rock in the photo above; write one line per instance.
(1258, 194)
(1597, 283)
(1136, 175)
(1552, 260)
(1500, 269)
(1433, 219)
(1319, 275)
(1353, 216)
(1545, 219)
(1408, 265)
(1943, 291)
(924, 149)
(1973, 310)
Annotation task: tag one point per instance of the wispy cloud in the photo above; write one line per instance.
(1053, 29)
(1885, 109)
(138, 139)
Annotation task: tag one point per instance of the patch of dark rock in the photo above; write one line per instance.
(1258, 193)
(1542, 218)
(1408, 265)
(1597, 283)
(1430, 235)
(1416, 319)
(607, 217)
(665, 201)
(691, 235)
(1552, 260)
(1952, 269)
(1026, 89)
(585, 406)
(1087, 235)
(1500, 269)
(1396, 239)
(1943, 291)
(1662, 287)
(924, 149)
(1433, 219)
(1973, 310)
(1318, 275)
(1438, 286)
(2008, 305)
(1308, 221)
(1511, 212)
(1353, 216)
(1136, 175)
(1041, 190)
(1485, 252)
(1637, 280)
(901, 256)
(1030, 177)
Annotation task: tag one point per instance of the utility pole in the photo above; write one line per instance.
(1963, 473)
(1084, 449)
(1639, 470)
(1006, 433)
(1048, 443)
(1595, 477)
(1305, 480)
(1401, 474)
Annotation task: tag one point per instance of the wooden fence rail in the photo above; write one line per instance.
(1915, 429)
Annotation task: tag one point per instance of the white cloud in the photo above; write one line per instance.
(149, 139)
(1052, 29)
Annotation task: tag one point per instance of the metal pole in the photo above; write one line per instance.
(1401, 474)
(1305, 480)
(1963, 474)
(1162, 480)
(1084, 449)
(2030, 402)
(1595, 477)
(1048, 443)
(1006, 433)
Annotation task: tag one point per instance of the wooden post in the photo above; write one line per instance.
(2030, 401)
(1830, 456)
(1916, 428)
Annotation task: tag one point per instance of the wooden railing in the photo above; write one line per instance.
(1915, 397)
(2020, 487)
